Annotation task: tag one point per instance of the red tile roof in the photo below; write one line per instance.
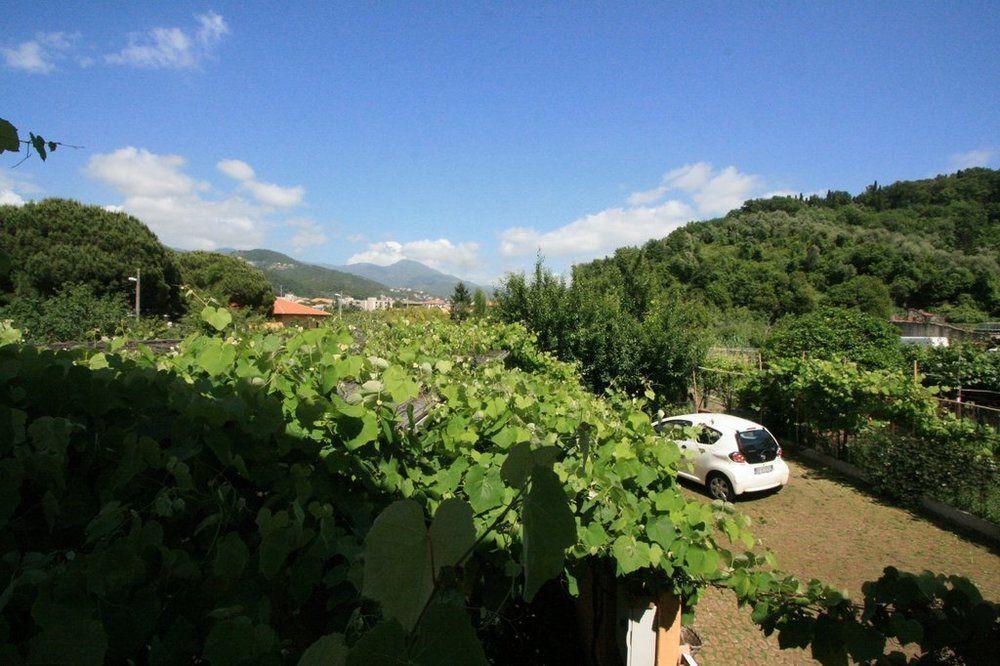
(285, 307)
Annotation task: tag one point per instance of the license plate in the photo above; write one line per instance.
(763, 470)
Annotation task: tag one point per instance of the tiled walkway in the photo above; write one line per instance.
(820, 526)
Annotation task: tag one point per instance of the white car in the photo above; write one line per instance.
(727, 454)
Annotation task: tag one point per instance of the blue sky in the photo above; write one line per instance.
(471, 136)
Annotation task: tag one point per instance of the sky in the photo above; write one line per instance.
(475, 136)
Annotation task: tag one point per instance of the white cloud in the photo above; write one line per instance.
(11, 198)
(275, 195)
(39, 55)
(136, 172)
(702, 192)
(16, 191)
(972, 158)
(598, 233)
(172, 48)
(266, 193)
(441, 254)
(237, 169)
(176, 206)
(309, 235)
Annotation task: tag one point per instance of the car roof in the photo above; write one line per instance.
(718, 420)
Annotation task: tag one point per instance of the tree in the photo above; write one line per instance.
(54, 243)
(863, 292)
(831, 333)
(478, 303)
(461, 302)
(230, 280)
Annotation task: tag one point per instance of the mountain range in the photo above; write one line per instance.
(289, 275)
(409, 274)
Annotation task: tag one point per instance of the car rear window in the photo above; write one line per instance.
(756, 438)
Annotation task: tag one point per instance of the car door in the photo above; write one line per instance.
(704, 444)
(679, 431)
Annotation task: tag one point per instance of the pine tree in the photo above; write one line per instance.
(478, 303)
(461, 302)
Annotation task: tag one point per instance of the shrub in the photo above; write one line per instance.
(74, 313)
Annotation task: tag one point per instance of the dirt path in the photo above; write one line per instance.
(821, 526)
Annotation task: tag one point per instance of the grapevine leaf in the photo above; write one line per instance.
(452, 533)
(446, 636)
(231, 557)
(662, 531)
(327, 651)
(549, 529)
(83, 638)
(630, 554)
(399, 385)
(484, 488)
(517, 467)
(39, 144)
(217, 318)
(384, 645)
(397, 571)
(8, 137)
(863, 643)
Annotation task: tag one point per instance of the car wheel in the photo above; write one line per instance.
(720, 488)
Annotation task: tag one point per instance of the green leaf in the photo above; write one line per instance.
(231, 557)
(399, 385)
(397, 571)
(384, 645)
(8, 137)
(217, 318)
(906, 630)
(549, 529)
(484, 488)
(662, 531)
(327, 651)
(630, 554)
(452, 533)
(863, 643)
(216, 358)
(517, 467)
(39, 144)
(446, 636)
(77, 640)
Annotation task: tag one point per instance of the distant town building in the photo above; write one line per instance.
(373, 303)
(288, 312)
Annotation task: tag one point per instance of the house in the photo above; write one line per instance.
(285, 312)
(373, 303)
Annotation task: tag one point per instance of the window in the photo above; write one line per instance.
(674, 428)
(708, 436)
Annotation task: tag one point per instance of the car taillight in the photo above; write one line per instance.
(736, 456)
(779, 451)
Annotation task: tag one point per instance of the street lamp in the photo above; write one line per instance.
(137, 278)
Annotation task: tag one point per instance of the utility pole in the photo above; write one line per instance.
(138, 288)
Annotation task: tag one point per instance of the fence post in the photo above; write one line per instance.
(668, 629)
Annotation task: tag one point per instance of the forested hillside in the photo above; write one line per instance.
(290, 275)
(932, 244)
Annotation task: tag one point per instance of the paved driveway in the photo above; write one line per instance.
(821, 526)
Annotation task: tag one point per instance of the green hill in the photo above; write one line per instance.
(290, 275)
(931, 244)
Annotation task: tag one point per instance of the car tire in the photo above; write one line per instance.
(719, 487)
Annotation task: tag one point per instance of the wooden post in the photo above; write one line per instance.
(694, 390)
(916, 370)
(668, 630)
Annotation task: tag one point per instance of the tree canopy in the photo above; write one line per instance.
(55, 243)
(927, 244)
(229, 279)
